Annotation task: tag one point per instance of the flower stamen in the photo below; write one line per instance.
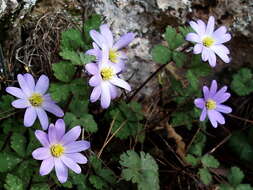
(107, 73)
(57, 150)
(210, 104)
(36, 100)
(113, 55)
(208, 41)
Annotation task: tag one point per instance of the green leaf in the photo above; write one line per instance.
(95, 163)
(5, 103)
(33, 143)
(205, 175)
(209, 161)
(244, 187)
(142, 170)
(85, 59)
(79, 180)
(197, 147)
(72, 56)
(185, 30)
(97, 182)
(89, 123)
(59, 92)
(92, 23)
(181, 118)
(235, 176)
(179, 58)
(71, 39)
(193, 80)
(40, 187)
(18, 143)
(8, 161)
(127, 120)
(191, 160)
(161, 54)
(63, 71)
(25, 171)
(242, 83)
(79, 89)
(241, 146)
(173, 38)
(225, 187)
(12, 182)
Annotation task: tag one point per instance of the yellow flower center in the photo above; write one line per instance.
(107, 73)
(57, 150)
(210, 104)
(208, 41)
(36, 99)
(113, 55)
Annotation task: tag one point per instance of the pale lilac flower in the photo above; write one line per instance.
(60, 151)
(33, 97)
(209, 42)
(211, 104)
(105, 80)
(105, 38)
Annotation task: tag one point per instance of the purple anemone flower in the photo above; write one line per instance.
(60, 151)
(105, 38)
(33, 97)
(105, 80)
(211, 104)
(209, 42)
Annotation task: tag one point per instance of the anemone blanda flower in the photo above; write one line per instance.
(33, 97)
(211, 104)
(60, 151)
(209, 42)
(105, 38)
(105, 80)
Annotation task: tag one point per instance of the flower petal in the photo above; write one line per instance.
(211, 58)
(98, 38)
(30, 81)
(95, 94)
(78, 158)
(199, 103)
(42, 84)
(220, 92)
(42, 137)
(205, 54)
(203, 114)
(120, 83)
(202, 27)
(53, 108)
(17, 92)
(61, 170)
(210, 25)
(113, 91)
(221, 53)
(20, 103)
(71, 164)
(222, 48)
(124, 41)
(223, 98)
(197, 48)
(41, 153)
(60, 128)
(46, 166)
(106, 32)
(71, 135)
(197, 28)
(105, 99)
(212, 117)
(223, 108)
(220, 31)
(95, 80)
(30, 116)
(217, 116)
(24, 86)
(42, 115)
(206, 92)
(52, 136)
(77, 146)
(213, 88)
(92, 68)
(193, 37)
